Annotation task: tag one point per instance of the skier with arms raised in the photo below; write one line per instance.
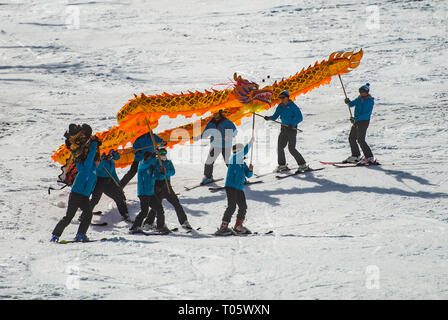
(237, 171)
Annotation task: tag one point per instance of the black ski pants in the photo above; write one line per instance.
(75, 201)
(358, 136)
(288, 138)
(147, 202)
(235, 198)
(162, 193)
(129, 175)
(110, 189)
(212, 156)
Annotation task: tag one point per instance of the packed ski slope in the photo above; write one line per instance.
(360, 233)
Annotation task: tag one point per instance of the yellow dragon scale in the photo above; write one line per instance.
(131, 116)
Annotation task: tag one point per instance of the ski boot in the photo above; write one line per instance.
(163, 230)
(282, 168)
(368, 161)
(81, 238)
(242, 230)
(206, 180)
(149, 226)
(352, 159)
(186, 225)
(302, 168)
(135, 230)
(54, 238)
(224, 230)
(239, 228)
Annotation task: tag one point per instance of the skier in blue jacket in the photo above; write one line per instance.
(363, 110)
(237, 171)
(109, 184)
(290, 115)
(161, 190)
(81, 190)
(221, 132)
(146, 177)
(140, 146)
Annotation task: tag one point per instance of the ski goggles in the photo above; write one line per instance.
(162, 151)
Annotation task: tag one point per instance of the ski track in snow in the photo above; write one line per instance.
(332, 227)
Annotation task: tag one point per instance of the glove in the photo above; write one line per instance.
(347, 100)
(162, 170)
(267, 118)
(352, 120)
(95, 138)
(251, 167)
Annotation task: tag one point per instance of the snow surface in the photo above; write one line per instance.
(363, 233)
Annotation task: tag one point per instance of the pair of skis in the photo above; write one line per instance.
(202, 184)
(297, 172)
(288, 172)
(270, 232)
(214, 189)
(87, 241)
(163, 233)
(344, 164)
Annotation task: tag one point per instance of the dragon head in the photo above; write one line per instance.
(249, 93)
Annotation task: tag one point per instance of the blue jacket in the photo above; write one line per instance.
(85, 180)
(237, 171)
(289, 114)
(146, 177)
(219, 132)
(144, 141)
(169, 168)
(108, 165)
(363, 107)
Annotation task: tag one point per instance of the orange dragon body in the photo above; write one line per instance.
(240, 101)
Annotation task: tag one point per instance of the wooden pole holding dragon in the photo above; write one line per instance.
(158, 155)
(345, 93)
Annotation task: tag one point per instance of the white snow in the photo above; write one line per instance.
(363, 233)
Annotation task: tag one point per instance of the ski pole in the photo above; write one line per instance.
(158, 155)
(116, 182)
(345, 93)
(253, 132)
(285, 125)
(51, 188)
(138, 149)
